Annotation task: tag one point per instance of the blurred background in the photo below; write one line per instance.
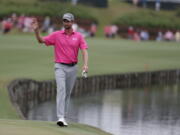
(132, 19)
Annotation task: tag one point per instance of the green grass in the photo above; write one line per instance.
(22, 57)
(7, 110)
(21, 127)
(115, 56)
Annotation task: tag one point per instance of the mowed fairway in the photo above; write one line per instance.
(21, 56)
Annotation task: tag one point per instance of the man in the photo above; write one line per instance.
(66, 45)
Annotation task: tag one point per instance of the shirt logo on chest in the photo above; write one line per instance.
(74, 39)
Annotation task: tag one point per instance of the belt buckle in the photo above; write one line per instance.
(74, 63)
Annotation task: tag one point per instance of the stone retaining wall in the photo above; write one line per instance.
(27, 93)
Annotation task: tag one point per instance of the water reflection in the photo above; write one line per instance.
(146, 111)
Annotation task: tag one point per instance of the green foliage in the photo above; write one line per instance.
(178, 12)
(96, 3)
(44, 9)
(149, 19)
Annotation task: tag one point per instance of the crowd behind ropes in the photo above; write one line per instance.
(144, 35)
(23, 23)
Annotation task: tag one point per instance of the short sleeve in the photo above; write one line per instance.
(50, 39)
(83, 44)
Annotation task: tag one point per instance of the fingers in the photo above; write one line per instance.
(34, 23)
(85, 68)
(34, 20)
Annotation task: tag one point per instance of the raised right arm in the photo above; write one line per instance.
(35, 27)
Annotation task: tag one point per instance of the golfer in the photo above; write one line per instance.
(66, 45)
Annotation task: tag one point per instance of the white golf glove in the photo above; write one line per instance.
(84, 74)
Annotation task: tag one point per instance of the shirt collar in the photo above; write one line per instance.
(63, 32)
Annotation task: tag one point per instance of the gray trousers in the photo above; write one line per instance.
(65, 80)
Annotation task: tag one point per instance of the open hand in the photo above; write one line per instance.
(34, 24)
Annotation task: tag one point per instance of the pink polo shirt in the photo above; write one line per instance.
(66, 47)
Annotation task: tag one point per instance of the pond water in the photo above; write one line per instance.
(152, 110)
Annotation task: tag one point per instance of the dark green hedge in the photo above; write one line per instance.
(178, 12)
(96, 3)
(52, 9)
(149, 19)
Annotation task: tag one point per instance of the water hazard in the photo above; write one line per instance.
(142, 111)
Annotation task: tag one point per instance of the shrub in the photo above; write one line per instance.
(52, 9)
(149, 19)
(178, 12)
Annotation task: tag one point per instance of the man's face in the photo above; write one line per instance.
(67, 24)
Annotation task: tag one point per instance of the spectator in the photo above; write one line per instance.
(130, 32)
(83, 32)
(27, 24)
(136, 36)
(93, 30)
(46, 24)
(135, 2)
(159, 36)
(14, 19)
(51, 29)
(114, 30)
(177, 36)
(169, 36)
(20, 24)
(144, 35)
(157, 5)
(6, 25)
(75, 26)
(107, 31)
